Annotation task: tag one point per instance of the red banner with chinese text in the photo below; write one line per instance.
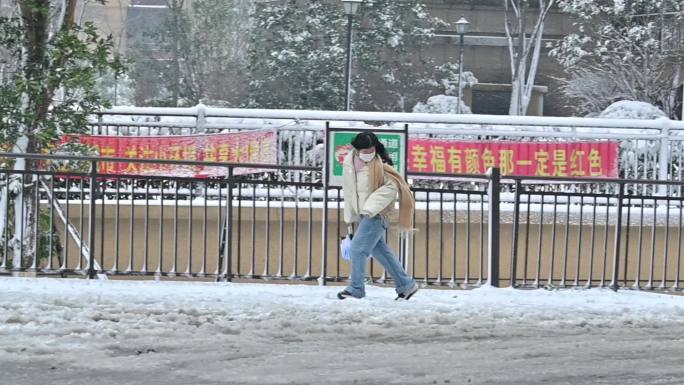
(259, 146)
(562, 159)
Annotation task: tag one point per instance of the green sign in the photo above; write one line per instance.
(395, 143)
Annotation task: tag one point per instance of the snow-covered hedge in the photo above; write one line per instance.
(629, 109)
(442, 104)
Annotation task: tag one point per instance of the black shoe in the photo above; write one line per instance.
(408, 293)
(344, 294)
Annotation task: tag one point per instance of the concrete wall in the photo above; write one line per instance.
(431, 258)
(486, 51)
(111, 19)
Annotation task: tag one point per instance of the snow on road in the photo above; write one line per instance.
(69, 331)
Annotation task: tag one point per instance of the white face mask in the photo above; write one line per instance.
(367, 157)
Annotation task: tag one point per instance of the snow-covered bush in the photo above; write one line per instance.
(634, 155)
(629, 109)
(446, 78)
(442, 104)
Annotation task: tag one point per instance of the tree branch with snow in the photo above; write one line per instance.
(618, 46)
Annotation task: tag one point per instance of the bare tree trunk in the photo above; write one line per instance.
(82, 13)
(534, 65)
(515, 94)
(677, 81)
(70, 14)
(521, 59)
(525, 54)
(176, 7)
(25, 221)
(3, 212)
(39, 26)
(34, 62)
(27, 246)
(680, 73)
(516, 47)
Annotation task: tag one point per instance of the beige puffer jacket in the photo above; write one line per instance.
(358, 200)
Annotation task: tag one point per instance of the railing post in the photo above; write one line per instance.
(324, 224)
(228, 252)
(201, 119)
(618, 241)
(516, 230)
(99, 126)
(664, 156)
(494, 219)
(91, 220)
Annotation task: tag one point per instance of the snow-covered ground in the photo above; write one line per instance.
(121, 332)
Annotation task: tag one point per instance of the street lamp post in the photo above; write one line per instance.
(462, 27)
(350, 8)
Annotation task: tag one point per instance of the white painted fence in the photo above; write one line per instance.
(649, 149)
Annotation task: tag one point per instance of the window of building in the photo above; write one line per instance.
(144, 22)
(158, 3)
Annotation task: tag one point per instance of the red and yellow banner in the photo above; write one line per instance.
(561, 159)
(259, 146)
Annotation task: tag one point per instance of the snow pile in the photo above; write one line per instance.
(125, 332)
(441, 104)
(629, 109)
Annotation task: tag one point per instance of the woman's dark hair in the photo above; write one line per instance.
(367, 140)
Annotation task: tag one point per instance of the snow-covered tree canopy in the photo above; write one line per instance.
(51, 93)
(617, 52)
(204, 45)
(297, 58)
(56, 65)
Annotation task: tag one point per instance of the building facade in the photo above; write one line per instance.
(486, 54)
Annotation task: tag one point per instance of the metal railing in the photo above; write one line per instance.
(619, 239)
(649, 149)
(515, 231)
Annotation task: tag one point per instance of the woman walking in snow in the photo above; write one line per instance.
(370, 190)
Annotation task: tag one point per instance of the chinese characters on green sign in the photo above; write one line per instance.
(395, 143)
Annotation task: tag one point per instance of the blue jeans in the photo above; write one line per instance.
(369, 238)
